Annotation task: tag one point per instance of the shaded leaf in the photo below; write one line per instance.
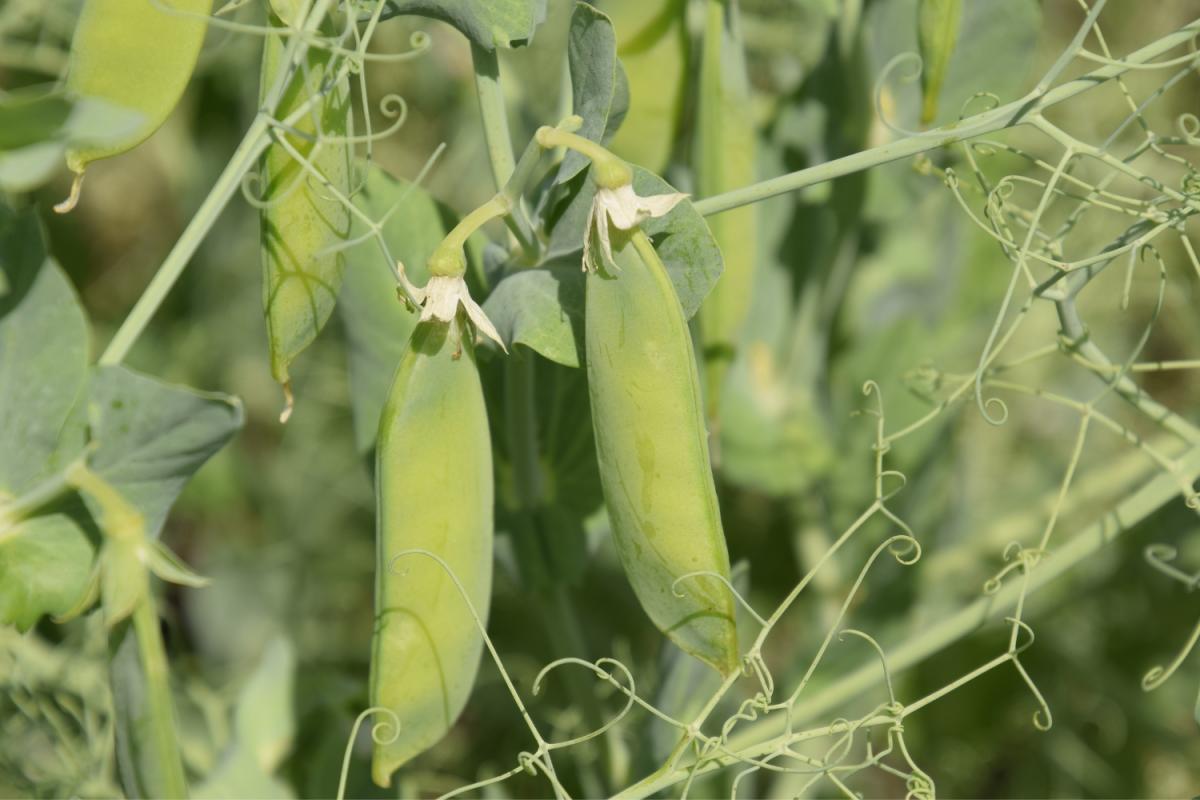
(263, 729)
(43, 359)
(542, 309)
(592, 59)
(150, 436)
(491, 24)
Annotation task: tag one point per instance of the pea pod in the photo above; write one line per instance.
(302, 220)
(937, 34)
(725, 149)
(653, 451)
(137, 54)
(433, 490)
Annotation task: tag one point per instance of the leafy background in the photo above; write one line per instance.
(864, 278)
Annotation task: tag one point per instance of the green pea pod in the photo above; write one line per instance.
(653, 45)
(136, 54)
(725, 150)
(433, 491)
(653, 451)
(302, 221)
(937, 34)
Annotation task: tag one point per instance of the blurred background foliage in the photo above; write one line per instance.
(868, 277)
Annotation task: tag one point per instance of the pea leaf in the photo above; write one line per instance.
(45, 563)
(491, 24)
(44, 560)
(263, 728)
(38, 126)
(542, 309)
(150, 437)
(543, 312)
(28, 117)
(43, 359)
(376, 322)
(592, 60)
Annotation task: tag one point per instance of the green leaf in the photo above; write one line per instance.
(377, 324)
(45, 564)
(592, 59)
(263, 721)
(653, 45)
(171, 568)
(490, 24)
(542, 309)
(150, 436)
(937, 33)
(43, 359)
(263, 728)
(28, 117)
(39, 124)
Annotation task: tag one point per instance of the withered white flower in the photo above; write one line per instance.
(624, 208)
(440, 299)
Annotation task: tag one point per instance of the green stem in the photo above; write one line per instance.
(160, 708)
(494, 115)
(254, 142)
(767, 735)
(1005, 116)
(609, 170)
(493, 112)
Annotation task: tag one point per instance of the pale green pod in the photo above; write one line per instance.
(652, 448)
(725, 159)
(653, 45)
(134, 54)
(937, 34)
(302, 220)
(433, 491)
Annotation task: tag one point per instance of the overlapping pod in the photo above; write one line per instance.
(653, 451)
(433, 491)
(136, 54)
(725, 150)
(302, 220)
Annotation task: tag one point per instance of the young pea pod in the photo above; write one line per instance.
(725, 159)
(433, 490)
(653, 451)
(136, 54)
(302, 220)
(937, 34)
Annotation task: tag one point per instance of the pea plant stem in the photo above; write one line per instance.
(494, 115)
(999, 118)
(159, 705)
(254, 142)
(769, 735)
